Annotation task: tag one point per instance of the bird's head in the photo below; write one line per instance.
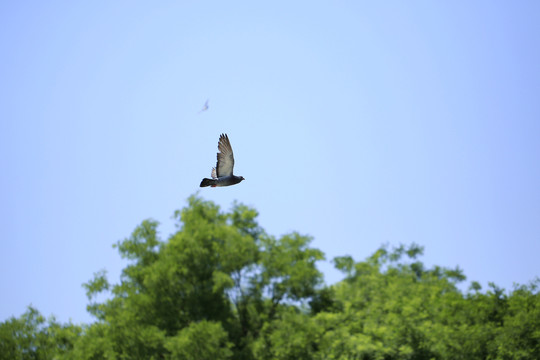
(242, 178)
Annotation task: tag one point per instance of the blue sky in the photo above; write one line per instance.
(358, 123)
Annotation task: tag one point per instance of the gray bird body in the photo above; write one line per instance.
(222, 174)
(222, 181)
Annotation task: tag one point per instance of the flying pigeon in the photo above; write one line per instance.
(205, 107)
(222, 174)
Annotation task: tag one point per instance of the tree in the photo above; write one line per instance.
(220, 274)
(519, 338)
(220, 287)
(391, 307)
(33, 337)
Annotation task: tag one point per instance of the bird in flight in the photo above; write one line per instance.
(205, 107)
(222, 174)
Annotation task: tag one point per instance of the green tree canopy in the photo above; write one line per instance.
(220, 287)
(219, 276)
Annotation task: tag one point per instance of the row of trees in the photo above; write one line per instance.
(221, 288)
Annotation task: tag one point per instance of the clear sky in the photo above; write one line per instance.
(358, 123)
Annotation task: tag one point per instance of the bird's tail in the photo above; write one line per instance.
(208, 182)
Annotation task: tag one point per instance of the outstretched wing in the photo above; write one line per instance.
(225, 158)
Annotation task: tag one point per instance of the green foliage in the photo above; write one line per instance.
(33, 337)
(293, 335)
(216, 282)
(392, 308)
(519, 338)
(221, 288)
(200, 341)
